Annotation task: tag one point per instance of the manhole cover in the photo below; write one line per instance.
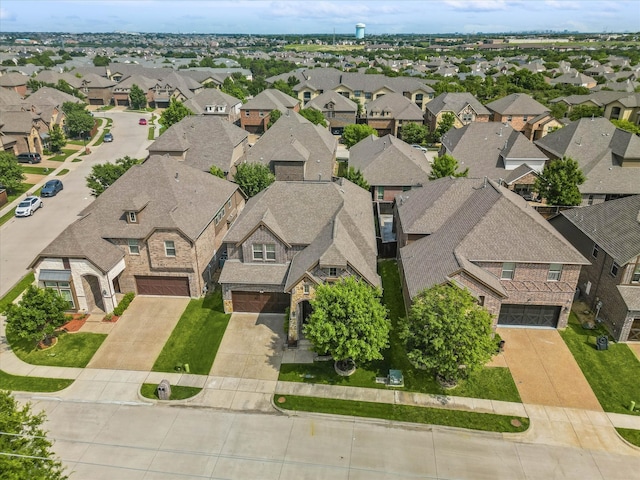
(281, 399)
(516, 423)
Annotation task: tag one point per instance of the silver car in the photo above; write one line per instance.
(28, 206)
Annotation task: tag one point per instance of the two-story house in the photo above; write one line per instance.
(211, 101)
(256, 113)
(389, 112)
(465, 108)
(14, 81)
(608, 234)
(516, 110)
(122, 89)
(337, 109)
(97, 89)
(156, 231)
(480, 236)
(624, 108)
(292, 237)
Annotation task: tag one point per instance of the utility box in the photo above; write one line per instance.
(602, 343)
(164, 390)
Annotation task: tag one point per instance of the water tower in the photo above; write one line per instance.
(360, 30)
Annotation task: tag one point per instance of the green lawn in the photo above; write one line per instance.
(72, 349)
(631, 436)
(23, 188)
(7, 216)
(77, 159)
(404, 413)
(490, 383)
(36, 170)
(32, 384)
(148, 390)
(196, 337)
(12, 294)
(62, 156)
(152, 133)
(62, 172)
(610, 373)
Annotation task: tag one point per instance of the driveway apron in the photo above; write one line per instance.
(544, 370)
(139, 335)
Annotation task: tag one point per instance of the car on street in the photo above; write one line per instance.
(51, 188)
(28, 206)
(108, 137)
(142, 121)
(420, 147)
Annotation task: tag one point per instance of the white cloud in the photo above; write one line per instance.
(6, 15)
(478, 5)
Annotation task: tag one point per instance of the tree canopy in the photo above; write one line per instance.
(448, 332)
(627, 126)
(26, 451)
(11, 175)
(57, 139)
(356, 177)
(446, 166)
(175, 112)
(79, 120)
(137, 97)
(274, 116)
(353, 133)
(314, 116)
(103, 175)
(582, 111)
(559, 182)
(445, 124)
(253, 178)
(415, 133)
(348, 321)
(216, 171)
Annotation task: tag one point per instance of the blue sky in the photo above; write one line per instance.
(318, 16)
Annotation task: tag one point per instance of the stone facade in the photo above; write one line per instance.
(298, 295)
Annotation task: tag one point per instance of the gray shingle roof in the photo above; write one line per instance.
(50, 96)
(235, 271)
(340, 102)
(517, 104)
(211, 96)
(455, 102)
(271, 99)
(398, 107)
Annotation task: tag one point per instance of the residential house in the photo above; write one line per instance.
(389, 112)
(202, 142)
(624, 108)
(174, 86)
(122, 89)
(608, 234)
(256, 113)
(594, 99)
(292, 237)
(608, 156)
(296, 150)
(465, 108)
(576, 79)
(14, 81)
(51, 77)
(477, 235)
(23, 128)
(517, 110)
(337, 109)
(496, 151)
(156, 231)
(97, 89)
(214, 102)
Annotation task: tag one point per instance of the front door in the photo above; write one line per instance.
(634, 333)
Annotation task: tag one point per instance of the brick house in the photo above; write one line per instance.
(516, 110)
(389, 112)
(292, 237)
(157, 231)
(256, 113)
(14, 81)
(465, 107)
(98, 90)
(211, 101)
(338, 110)
(24, 127)
(608, 234)
(480, 236)
(122, 89)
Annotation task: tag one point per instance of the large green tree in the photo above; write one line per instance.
(348, 321)
(103, 175)
(582, 111)
(175, 112)
(11, 175)
(446, 166)
(353, 133)
(627, 126)
(101, 61)
(415, 133)
(284, 87)
(356, 177)
(57, 139)
(38, 314)
(448, 332)
(79, 120)
(446, 123)
(274, 116)
(559, 182)
(314, 116)
(25, 451)
(253, 178)
(137, 97)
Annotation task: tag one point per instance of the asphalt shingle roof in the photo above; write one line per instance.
(455, 102)
(271, 99)
(517, 104)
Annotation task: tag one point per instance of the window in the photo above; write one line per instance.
(358, 93)
(481, 300)
(419, 97)
(270, 251)
(380, 193)
(509, 118)
(64, 289)
(333, 272)
(264, 251)
(258, 253)
(134, 248)
(133, 217)
(306, 288)
(508, 269)
(467, 117)
(219, 216)
(615, 268)
(525, 118)
(261, 114)
(555, 272)
(635, 277)
(307, 95)
(368, 95)
(229, 204)
(169, 248)
(595, 251)
(66, 264)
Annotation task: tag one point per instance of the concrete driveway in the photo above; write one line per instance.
(252, 347)
(544, 370)
(137, 338)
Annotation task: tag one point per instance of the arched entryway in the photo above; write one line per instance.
(92, 293)
(304, 310)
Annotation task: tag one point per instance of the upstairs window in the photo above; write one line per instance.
(615, 268)
(595, 251)
(132, 217)
(219, 216)
(306, 289)
(508, 269)
(635, 277)
(169, 248)
(264, 251)
(333, 272)
(555, 272)
(134, 247)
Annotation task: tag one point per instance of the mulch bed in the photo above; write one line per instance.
(74, 324)
(113, 319)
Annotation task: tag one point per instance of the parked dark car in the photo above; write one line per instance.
(51, 188)
(29, 158)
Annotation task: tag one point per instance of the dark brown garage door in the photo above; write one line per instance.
(529, 315)
(267, 302)
(175, 286)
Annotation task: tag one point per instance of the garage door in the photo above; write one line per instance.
(267, 302)
(529, 315)
(175, 286)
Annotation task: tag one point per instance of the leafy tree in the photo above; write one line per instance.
(448, 332)
(11, 175)
(175, 112)
(627, 126)
(57, 139)
(101, 61)
(253, 178)
(445, 124)
(581, 111)
(353, 133)
(38, 314)
(26, 452)
(559, 182)
(446, 166)
(355, 176)
(79, 120)
(217, 171)
(284, 87)
(103, 175)
(348, 321)
(414, 133)
(559, 110)
(274, 115)
(137, 97)
(314, 116)
(235, 89)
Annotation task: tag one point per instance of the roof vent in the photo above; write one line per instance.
(176, 177)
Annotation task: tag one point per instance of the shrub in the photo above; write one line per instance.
(124, 303)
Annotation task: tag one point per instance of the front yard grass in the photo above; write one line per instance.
(62, 172)
(493, 383)
(610, 373)
(152, 133)
(23, 188)
(404, 413)
(196, 337)
(19, 287)
(32, 384)
(62, 156)
(36, 170)
(631, 436)
(148, 390)
(72, 349)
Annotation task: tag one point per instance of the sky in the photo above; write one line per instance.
(318, 16)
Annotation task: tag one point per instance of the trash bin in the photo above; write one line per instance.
(602, 343)
(164, 390)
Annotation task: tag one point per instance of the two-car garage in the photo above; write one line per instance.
(169, 286)
(529, 315)
(260, 302)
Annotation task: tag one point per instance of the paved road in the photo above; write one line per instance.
(106, 441)
(21, 239)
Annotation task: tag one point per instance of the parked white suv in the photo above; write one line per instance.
(28, 206)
